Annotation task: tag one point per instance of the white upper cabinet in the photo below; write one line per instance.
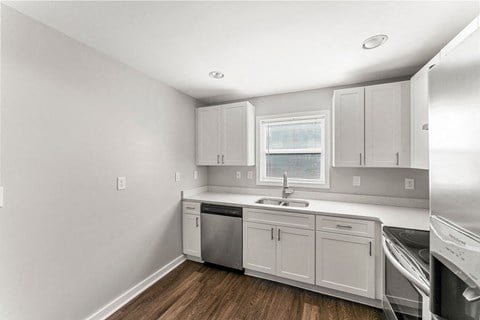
(387, 129)
(419, 116)
(372, 126)
(208, 136)
(348, 126)
(225, 135)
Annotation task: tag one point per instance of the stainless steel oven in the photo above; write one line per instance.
(407, 286)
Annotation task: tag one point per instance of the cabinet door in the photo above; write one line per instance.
(191, 235)
(419, 120)
(345, 263)
(234, 138)
(259, 247)
(383, 120)
(348, 126)
(208, 136)
(296, 254)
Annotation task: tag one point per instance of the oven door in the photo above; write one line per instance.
(406, 296)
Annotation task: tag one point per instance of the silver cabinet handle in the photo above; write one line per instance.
(278, 234)
(271, 233)
(223, 159)
(398, 158)
(196, 222)
(341, 226)
(190, 208)
(360, 159)
(218, 158)
(370, 249)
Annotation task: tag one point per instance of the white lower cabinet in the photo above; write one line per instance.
(191, 235)
(259, 247)
(345, 263)
(282, 251)
(296, 254)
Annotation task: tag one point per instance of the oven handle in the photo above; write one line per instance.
(403, 271)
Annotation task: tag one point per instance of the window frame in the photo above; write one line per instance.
(261, 178)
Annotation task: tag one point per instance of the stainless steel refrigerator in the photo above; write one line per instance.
(454, 132)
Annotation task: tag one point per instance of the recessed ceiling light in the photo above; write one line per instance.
(216, 75)
(375, 41)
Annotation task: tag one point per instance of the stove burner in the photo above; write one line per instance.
(414, 239)
(424, 254)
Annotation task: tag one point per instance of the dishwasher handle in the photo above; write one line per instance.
(215, 209)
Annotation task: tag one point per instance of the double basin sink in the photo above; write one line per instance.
(283, 202)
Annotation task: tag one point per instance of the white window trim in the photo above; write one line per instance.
(303, 183)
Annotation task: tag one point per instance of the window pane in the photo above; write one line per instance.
(297, 165)
(294, 136)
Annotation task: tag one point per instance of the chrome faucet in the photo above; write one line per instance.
(286, 190)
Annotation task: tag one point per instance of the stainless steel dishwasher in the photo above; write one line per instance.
(222, 235)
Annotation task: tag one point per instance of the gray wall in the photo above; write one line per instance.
(381, 182)
(72, 121)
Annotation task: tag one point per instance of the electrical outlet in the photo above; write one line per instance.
(238, 174)
(356, 181)
(250, 175)
(409, 184)
(195, 175)
(177, 176)
(121, 183)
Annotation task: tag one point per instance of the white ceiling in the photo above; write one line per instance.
(262, 47)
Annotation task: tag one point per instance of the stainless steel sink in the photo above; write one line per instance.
(283, 202)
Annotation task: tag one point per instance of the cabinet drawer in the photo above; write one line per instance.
(280, 218)
(191, 207)
(346, 226)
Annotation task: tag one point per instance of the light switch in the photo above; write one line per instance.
(177, 176)
(121, 183)
(250, 175)
(356, 181)
(195, 175)
(238, 174)
(409, 184)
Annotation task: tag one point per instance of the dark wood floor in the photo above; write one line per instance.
(196, 291)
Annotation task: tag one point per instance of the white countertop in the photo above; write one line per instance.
(401, 217)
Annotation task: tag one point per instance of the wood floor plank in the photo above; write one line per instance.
(201, 292)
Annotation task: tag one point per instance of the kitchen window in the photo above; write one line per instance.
(297, 144)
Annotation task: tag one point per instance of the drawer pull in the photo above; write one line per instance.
(196, 222)
(271, 234)
(190, 208)
(341, 226)
(278, 234)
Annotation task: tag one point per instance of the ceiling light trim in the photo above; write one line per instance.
(374, 41)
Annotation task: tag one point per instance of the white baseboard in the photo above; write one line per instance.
(131, 293)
